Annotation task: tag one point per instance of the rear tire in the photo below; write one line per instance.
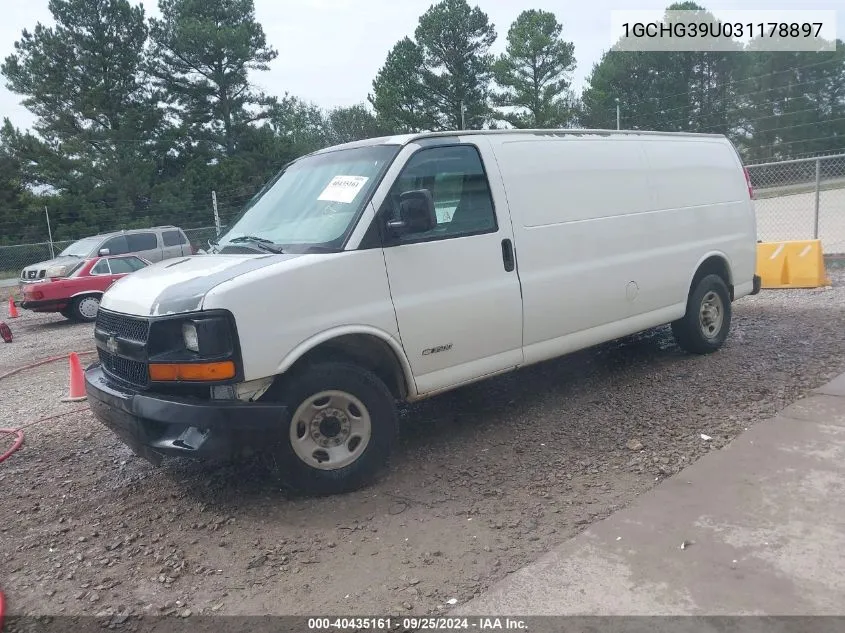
(342, 429)
(84, 309)
(707, 322)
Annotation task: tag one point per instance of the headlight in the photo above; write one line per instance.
(57, 271)
(206, 336)
(189, 335)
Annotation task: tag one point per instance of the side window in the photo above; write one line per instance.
(125, 265)
(136, 263)
(142, 242)
(457, 182)
(101, 267)
(116, 245)
(172, 238)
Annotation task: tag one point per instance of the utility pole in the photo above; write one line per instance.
(49, 233)
(618, 117)
(463, 112)
(216, 215)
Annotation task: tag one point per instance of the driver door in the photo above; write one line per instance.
(455, 288)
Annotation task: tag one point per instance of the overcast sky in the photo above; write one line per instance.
(330, 50)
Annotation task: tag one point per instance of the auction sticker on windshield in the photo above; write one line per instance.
(343, 188)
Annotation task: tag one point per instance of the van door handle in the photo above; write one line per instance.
(507, 254)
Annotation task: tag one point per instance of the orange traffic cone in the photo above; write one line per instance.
(13, 309)
(77, 380)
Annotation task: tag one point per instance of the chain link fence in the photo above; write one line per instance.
(14, 258)
(800, 200)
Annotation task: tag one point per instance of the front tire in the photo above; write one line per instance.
(707, 322)
(84, 309)
(342, 429)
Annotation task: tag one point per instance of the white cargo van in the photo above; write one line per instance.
(397, 268)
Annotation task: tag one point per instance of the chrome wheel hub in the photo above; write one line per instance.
(711, 315)
(330, 430)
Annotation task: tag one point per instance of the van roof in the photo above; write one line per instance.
(130, 231)
(404, 139)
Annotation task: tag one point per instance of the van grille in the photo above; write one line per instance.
(122, 326)
(131, 371)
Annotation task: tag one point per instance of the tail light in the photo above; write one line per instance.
(748, 182)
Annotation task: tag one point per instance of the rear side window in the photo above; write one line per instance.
(116, 245)
(142, 242)
(101, 267)
(173, 238)
(125, 265)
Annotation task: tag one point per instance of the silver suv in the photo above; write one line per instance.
(154, 245)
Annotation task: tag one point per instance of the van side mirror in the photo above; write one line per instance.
(416, 213)
(103, 252)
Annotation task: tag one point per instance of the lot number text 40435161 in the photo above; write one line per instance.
(411, 623)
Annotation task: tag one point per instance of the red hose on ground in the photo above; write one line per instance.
(44, 361)
(2, 609)
(18, 433)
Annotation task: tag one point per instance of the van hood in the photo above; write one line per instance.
(179, 285)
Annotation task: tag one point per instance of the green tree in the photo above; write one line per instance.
(534, 73)
(399, 97)
(204, 51)
(673, 91)
(96, 117)
(352, 123)
(441, 80)
(791, 103)
(455, 39)
(12, 189)
(300, 124)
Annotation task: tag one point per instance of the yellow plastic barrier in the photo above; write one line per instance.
(798, 264)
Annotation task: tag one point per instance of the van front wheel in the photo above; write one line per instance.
(705, 326)
(342, 429)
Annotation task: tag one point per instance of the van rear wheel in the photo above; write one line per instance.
(707, 322)
(342, 429)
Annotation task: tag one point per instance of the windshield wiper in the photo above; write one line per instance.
(260, 242)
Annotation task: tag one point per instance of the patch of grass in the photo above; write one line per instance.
(793, 190)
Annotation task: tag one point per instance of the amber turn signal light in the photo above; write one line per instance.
(195, 372)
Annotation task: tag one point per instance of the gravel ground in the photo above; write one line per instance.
(38, 336)
(487, 478)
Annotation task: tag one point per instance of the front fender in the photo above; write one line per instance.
(324, 337)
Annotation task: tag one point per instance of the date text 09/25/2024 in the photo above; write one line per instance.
(414, 624)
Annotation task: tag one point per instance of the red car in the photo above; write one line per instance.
(77, 296)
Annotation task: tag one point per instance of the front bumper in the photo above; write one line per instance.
(758, 283)
(45, 305)
(154, 425)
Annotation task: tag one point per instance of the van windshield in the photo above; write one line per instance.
(313, 203)
(82, 248)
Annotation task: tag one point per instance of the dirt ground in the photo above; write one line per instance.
(486, 479)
